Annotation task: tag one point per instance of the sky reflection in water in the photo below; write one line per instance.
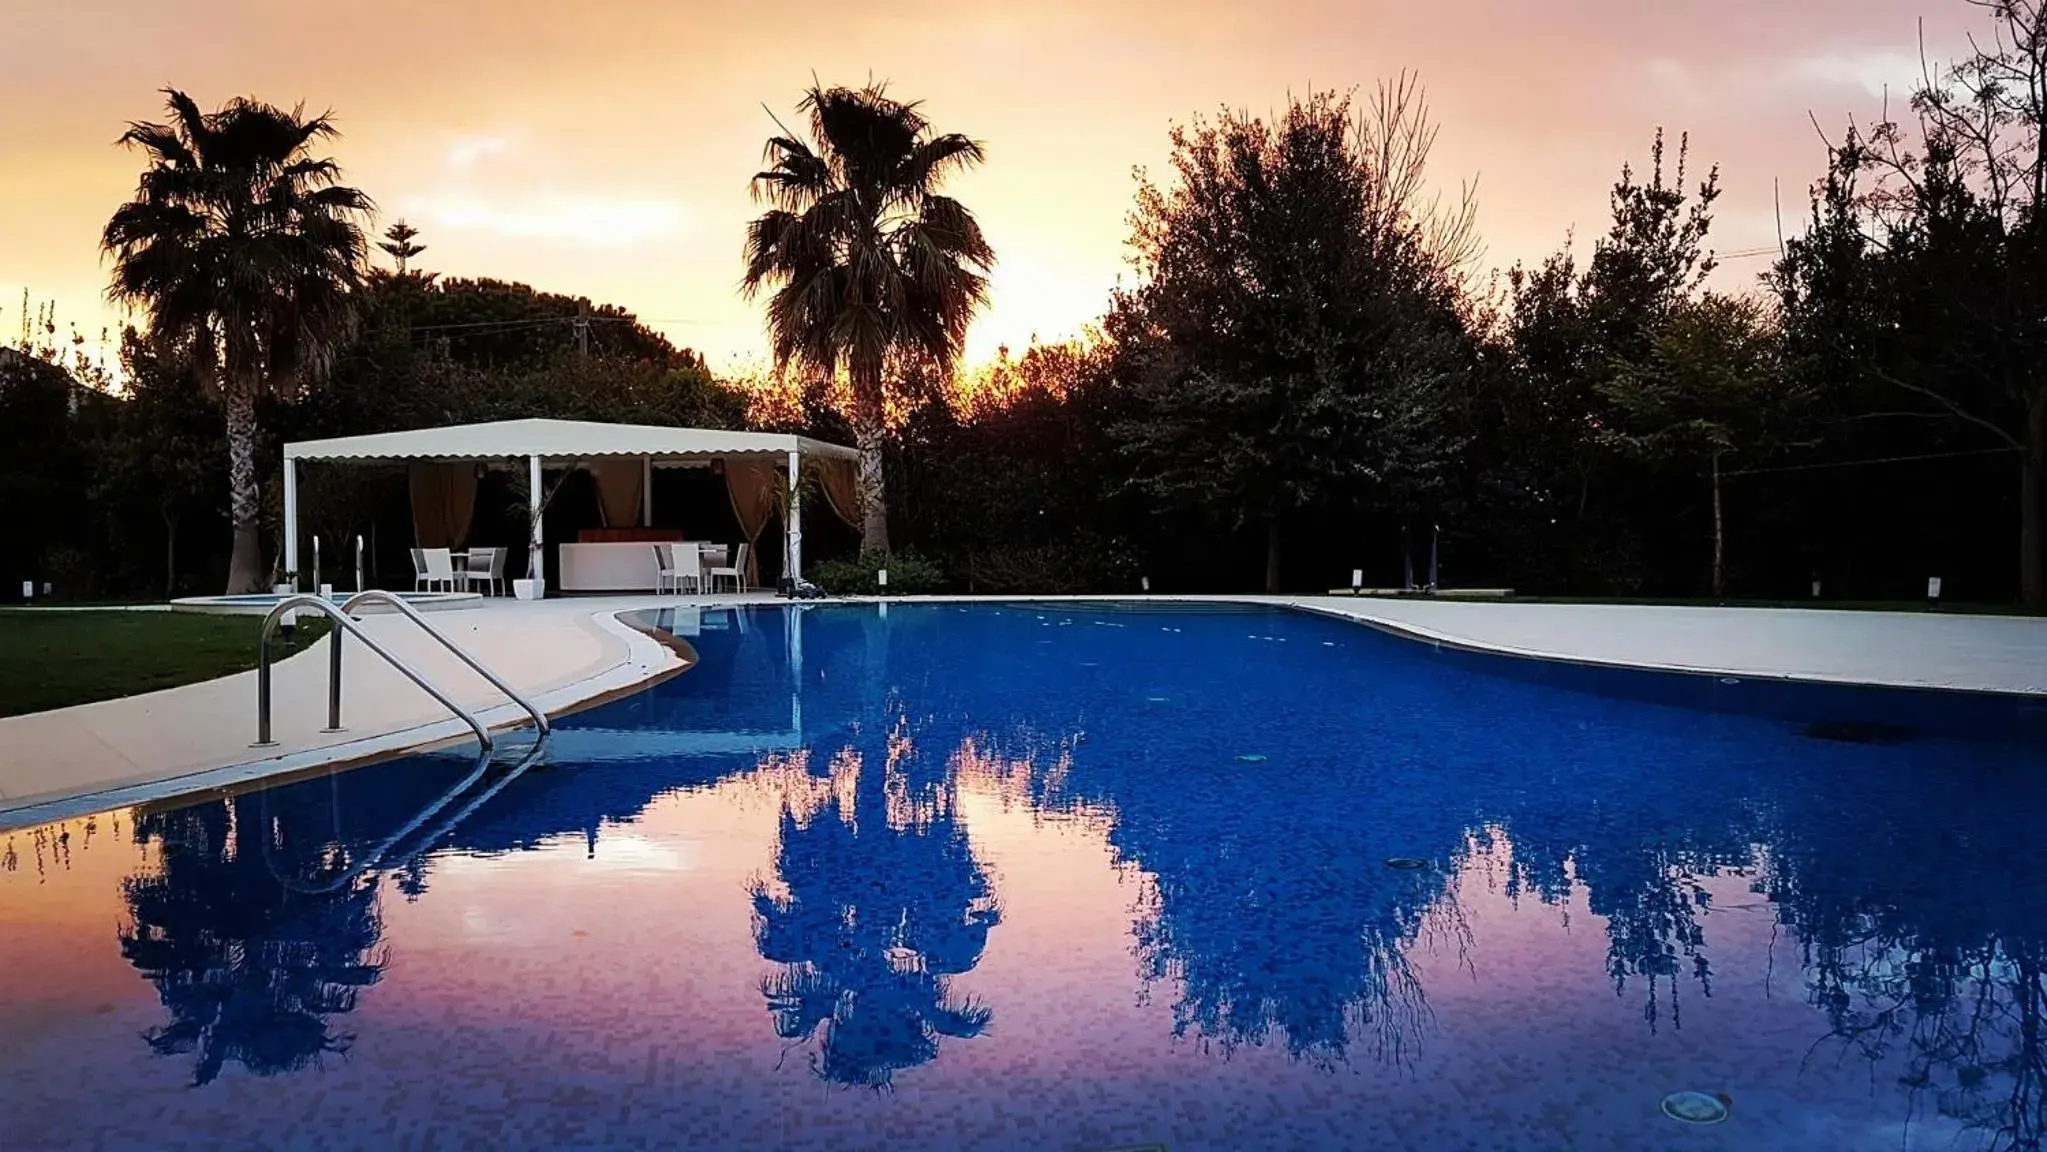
(1065, 877)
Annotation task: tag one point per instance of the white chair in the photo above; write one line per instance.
(499, 557)
(687, 561)
(486, 566)
(736, 570)
(418, 569)
(440, 568)
(664, 569)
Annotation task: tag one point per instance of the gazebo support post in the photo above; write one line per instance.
(795, 525)
(536, 556)
(291, 522)
(646, 491)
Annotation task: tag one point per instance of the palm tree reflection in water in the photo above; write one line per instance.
(877, 903)
(249, 968)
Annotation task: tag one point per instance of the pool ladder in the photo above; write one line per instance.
(376, 856)
(345, 623)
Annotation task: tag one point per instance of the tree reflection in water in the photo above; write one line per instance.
(1267, 911)
(878, 901)
(1945, 973)
(249, 968)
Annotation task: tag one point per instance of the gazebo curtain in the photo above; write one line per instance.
(841, 484)
(443, 503)
(752, 483)
(619, 491)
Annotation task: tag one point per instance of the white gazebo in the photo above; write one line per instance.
(613, 448)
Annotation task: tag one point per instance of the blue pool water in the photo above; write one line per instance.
(1069, 878)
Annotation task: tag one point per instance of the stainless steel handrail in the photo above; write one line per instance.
(379, 596)
(376, 855)
(343, 623)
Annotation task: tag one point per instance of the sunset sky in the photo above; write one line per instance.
(604, 147)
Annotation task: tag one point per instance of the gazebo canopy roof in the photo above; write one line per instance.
(559, 440)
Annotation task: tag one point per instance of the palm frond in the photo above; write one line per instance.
(929, 164)
(161, 141)
(192, 126)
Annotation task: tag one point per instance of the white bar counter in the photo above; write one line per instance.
(623, 567)
(607, 567)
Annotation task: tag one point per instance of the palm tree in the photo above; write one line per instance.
(866, 261)
(243, 249)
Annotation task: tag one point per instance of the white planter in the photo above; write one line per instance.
(526, 589)
(326, 591)
(283, 589)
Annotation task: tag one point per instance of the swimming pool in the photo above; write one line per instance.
(1067, 877)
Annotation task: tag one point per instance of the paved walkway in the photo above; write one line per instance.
(566, 653)
(1896, 649)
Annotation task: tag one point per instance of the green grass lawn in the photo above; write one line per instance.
(56, 659)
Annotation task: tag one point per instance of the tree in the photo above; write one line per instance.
(1708, 386)
(161, 455)
(398, 244)
(1297, 337)
(42, 464)
(1925, 270)
(1564, 338)
(243, 248)
(866, 262)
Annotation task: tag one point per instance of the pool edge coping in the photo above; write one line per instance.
(647, 661)
(1422, 635)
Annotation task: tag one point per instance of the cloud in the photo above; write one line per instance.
(603, 222)
(1873, 72)
(465, 151)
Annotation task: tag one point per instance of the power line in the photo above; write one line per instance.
(541, 321)
(1876, 460)
(498, 324)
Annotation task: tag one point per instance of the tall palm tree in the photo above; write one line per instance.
(243, 249)
(866, 261)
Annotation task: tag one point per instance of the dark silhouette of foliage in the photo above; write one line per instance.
(1294, 344)
(244, 249)
(1919, 291)
(868, 266)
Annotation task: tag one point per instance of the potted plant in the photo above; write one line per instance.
(531, 586)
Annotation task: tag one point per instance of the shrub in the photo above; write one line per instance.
(908, 575)
(1087, 565)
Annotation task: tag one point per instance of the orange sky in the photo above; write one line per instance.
(604, 147)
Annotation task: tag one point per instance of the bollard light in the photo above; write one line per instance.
(1357, 580)
(881, 577)
(1144, 583)
(28, 589)
(1933, 591)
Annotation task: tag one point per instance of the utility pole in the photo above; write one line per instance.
(583, 329)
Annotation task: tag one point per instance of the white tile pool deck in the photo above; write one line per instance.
(570, 652)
